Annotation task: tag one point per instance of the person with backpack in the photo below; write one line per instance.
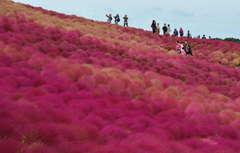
(154, 26)
(181, 32)
(109, 20)
(165, 29)
(117, 19)
(158, 28)
(175, 32)
(187, 48)
(125, 18)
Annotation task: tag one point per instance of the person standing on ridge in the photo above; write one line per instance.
(175, 32)
(116, 19)
(169, 29)
(154, 26)
(125, 18)
(181, 32)
(158, 28)
(189, 34)
(165, 29)
(109, 18)
(204, 37)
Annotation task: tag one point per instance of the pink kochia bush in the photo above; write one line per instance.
(85, 49)
(66, 92)
(225, 53)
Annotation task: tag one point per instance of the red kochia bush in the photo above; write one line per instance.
(10, 146)
(73, 44)
(67, 92)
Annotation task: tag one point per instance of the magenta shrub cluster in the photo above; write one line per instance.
(85, 49)
(43, 111)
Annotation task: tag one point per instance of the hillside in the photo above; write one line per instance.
(73, 85)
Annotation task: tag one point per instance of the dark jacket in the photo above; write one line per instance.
(188, 49)
(165, 29)
(125, 18)
(154, 26)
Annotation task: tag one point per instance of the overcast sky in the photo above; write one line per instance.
(218, 18)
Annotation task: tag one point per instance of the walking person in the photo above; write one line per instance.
(165, 29)
(158, 28)
(154, 26)
(125, 18)
(175, 32)
(181, 32)
(109, 20)
(117, 19)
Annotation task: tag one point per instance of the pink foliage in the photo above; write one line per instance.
(62, 91)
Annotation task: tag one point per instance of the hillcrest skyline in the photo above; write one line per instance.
(214, 18)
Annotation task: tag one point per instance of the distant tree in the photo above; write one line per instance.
(217, 39)
(236, 40)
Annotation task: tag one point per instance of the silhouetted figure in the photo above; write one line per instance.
(175, 32)
(199, 37)
(125, 18)
(181, 32)
(165, 29)
(189, 34)
(117, 19)
(154, 26)
(109, 20)
(204, 37)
